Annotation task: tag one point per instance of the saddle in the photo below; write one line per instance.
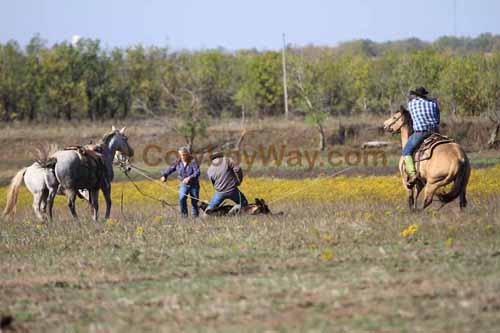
(91, 157)
(424, 152)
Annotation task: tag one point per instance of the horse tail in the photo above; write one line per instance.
(13, 192)
(459, 184)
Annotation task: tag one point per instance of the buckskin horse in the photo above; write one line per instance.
(67, 171)
(447, 163)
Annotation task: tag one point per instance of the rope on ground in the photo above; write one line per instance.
(121, 205)
(305, 187)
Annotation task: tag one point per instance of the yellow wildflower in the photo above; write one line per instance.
(139, 231)
(111, 222)
(327, 254)
(328, 238)
(449, 242)
(409, 231)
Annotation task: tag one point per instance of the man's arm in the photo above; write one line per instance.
(171, 169)
(438, 111)
(210, 176)
(238, 172)
(196, 170)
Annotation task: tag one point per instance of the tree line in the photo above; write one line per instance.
(85, 81)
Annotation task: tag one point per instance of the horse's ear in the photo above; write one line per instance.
(122, 131)
(113, 128)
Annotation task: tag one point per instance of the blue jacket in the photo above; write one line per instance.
(190, 170)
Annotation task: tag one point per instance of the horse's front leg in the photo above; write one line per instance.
(106, 190)
(418, 189)
(409, 190)
(94, 201)
(411, 199)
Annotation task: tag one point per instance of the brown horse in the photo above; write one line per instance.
(448, 163)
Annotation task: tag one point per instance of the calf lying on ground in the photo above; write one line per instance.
(259, 207)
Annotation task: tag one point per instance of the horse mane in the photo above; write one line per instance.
(407, 116)
(107, 137)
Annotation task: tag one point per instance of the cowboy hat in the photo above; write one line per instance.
(217, 154)
(420, 91)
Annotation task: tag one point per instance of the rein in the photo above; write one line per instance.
(396, 120)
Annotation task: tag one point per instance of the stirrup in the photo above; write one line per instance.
(412, 181)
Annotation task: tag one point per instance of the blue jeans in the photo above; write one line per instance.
(235, 195)
(194, 192)
(414, 141)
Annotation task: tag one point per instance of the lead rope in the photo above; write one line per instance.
(163, 202)
(139, 171)
(121, 205)
(125, 166)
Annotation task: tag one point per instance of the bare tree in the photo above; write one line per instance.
(188, 101)
(312, 99)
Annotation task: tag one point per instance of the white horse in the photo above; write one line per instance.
(38, 180)
(69, 175)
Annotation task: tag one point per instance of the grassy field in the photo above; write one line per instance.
(346, 256)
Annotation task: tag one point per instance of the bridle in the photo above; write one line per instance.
(395, 120)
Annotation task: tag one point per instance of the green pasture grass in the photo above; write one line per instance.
(342, 267)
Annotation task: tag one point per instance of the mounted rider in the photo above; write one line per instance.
(425, 116)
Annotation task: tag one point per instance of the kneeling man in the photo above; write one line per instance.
(225, 176)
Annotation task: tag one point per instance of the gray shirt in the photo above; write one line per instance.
(224, 174)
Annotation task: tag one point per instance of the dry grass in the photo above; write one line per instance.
(352, 260)
(346, 256)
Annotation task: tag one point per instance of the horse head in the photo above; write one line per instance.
(397, 120)
(118, 141)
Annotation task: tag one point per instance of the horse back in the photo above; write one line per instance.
(72, 171)
(446, 158)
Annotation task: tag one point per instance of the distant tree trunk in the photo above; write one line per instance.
(190, 139)
(92, 107)
(67, 112)
(5, 116)
(127, 103)
(32, 112)
(322, 140)
(341, 134)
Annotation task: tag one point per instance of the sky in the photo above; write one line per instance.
(238, 24)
